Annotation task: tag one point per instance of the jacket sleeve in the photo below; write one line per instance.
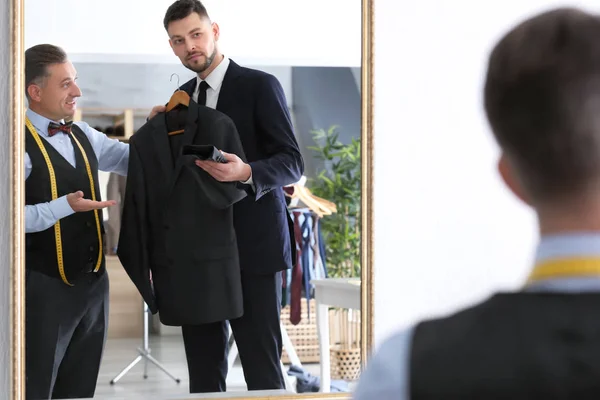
(133, 249)
(284, 164)
(220, 195)
(114, 213)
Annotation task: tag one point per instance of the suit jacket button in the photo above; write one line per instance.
(88, 224)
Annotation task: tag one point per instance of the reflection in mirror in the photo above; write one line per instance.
(232, 243)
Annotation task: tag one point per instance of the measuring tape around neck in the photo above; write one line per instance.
(54, 192)
(568, 267)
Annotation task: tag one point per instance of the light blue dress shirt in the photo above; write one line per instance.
(387, 374)
(112, 155)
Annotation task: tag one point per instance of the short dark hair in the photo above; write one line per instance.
(181, 9)
(542, 99)
(38, 59)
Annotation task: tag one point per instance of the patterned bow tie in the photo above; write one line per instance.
(54, 128)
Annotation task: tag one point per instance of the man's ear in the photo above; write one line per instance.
(34, 92)
(216, 30)
(510, 178)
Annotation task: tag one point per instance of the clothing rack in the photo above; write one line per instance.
(309, 263)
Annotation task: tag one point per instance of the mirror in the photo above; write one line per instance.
(236, 261)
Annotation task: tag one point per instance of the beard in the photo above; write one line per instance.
(201, 67)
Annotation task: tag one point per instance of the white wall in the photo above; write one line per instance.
(259, 32)
(5, 211)
(447, 231)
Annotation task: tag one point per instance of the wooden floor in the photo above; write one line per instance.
(169, 351)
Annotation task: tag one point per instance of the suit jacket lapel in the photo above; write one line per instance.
(227, 93)
(161, 144)
(189, 87)
(191, 125)
(189, 133)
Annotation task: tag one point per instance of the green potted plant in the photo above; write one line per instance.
(339, 181)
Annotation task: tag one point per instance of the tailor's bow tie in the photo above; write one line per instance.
(54, 128)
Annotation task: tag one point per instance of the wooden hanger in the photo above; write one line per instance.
(316, 204)
(326, 203)
(179, 98)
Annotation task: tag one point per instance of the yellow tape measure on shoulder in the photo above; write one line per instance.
(568, 267)
(54, 192)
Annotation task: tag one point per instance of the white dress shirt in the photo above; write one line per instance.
(112, 155)
(215, 81)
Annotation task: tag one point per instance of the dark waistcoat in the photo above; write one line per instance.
(513, 346)
(82, 233)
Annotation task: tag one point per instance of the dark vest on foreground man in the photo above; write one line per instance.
(513, 346)
(540, 342)
(78, 238)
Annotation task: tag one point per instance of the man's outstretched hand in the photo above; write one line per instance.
(80, 204)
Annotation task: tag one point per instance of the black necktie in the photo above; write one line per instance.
(202, 93)
(54, 128)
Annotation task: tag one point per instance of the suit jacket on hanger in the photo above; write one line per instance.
(177, 239)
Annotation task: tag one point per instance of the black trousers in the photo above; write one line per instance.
(65, 333)
(257, 334)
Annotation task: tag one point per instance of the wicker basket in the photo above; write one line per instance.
(345, 363)
(303, 336)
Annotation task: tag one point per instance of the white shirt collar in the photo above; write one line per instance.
(215, 78)
(39, 122)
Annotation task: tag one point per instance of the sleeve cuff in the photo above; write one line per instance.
(249, 181)
(60, 208)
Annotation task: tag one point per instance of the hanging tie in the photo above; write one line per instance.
(296, 289)
(54, 128)
(202, 93)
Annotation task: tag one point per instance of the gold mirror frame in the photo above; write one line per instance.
(17, 151)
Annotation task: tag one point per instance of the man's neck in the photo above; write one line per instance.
(41, 112)
(218, 60)
(579, 217)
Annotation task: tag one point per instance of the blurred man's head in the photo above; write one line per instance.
(542, 98)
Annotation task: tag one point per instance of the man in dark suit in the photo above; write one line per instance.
(256, 103)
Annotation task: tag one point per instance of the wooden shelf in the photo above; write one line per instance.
(119, 117)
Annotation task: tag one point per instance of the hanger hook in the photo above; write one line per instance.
(177, 79)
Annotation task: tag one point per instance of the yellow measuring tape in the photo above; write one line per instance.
(54, 190)
(571, 267)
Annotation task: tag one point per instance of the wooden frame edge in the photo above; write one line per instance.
(367, 212)
(17, 268)
(17, 198)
